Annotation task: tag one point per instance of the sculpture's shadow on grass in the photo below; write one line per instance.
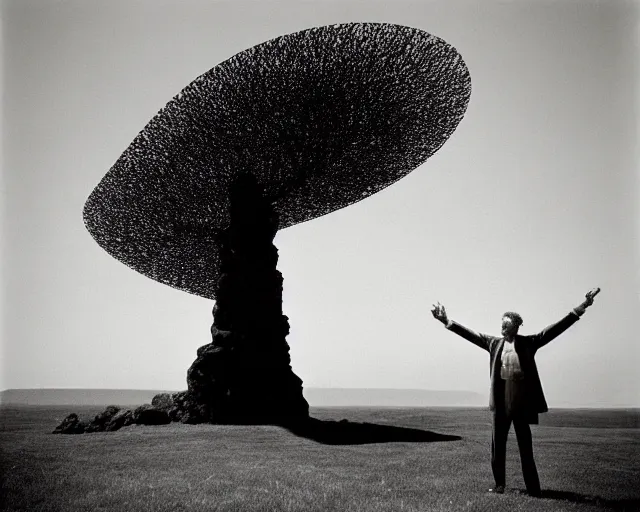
(347, 432)
(583, 499)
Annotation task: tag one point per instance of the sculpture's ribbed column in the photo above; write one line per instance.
(244, 375)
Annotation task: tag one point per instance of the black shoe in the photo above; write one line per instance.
(498, 489)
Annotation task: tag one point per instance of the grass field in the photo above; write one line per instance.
(587, 460)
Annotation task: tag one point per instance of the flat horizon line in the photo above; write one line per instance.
(309, 387)
(476, 396)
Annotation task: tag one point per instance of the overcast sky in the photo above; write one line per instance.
(531, 202)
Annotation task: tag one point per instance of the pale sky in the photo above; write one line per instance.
(531, 202)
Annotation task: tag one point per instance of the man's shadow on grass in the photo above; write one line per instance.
(347, 432)
(583, 499)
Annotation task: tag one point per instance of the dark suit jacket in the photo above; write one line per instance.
(526, 348)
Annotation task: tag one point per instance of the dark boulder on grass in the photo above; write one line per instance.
(71, 425)
(101, 420)
(123, 418)
(163, 402)
(147, 414)
(180, 406)
(183, 406)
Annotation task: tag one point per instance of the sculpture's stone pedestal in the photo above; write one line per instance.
(244, 375)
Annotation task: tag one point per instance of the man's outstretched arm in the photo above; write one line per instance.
(554, 330)
(440, 314)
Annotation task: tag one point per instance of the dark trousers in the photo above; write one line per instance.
(502, 419)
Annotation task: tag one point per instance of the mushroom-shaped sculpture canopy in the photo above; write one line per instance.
(321, 118)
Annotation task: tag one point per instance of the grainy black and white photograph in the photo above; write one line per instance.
(319, 255)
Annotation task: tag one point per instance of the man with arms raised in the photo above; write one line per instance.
(516, 392)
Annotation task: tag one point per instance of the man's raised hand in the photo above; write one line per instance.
(439, 313)
(590, 295)
(587, 301)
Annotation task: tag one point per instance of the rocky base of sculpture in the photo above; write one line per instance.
(242, 381)
(181, 407)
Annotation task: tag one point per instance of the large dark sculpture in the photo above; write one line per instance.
(281, 133)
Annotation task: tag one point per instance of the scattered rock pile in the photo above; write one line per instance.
(113, 418)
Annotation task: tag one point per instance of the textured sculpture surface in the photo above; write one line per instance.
(322, 118)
